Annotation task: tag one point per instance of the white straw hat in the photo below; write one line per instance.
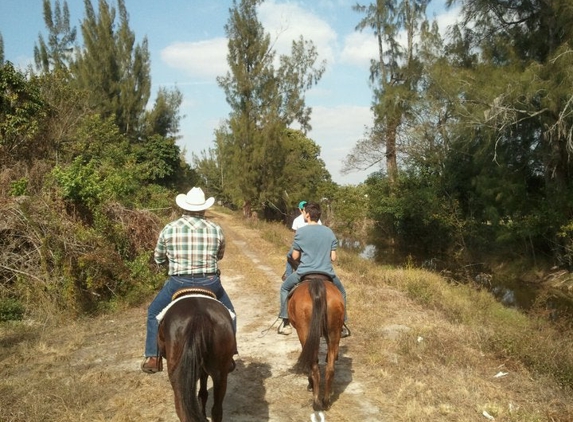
(194, 200)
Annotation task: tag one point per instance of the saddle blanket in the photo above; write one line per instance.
(162, 313)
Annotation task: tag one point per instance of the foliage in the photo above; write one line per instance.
(480, 124)
(11, 310)
(348, 215)
(395, 76)
(22, 112)
(163, 119)
(19, 187)
(57, 52)
(415, 217)
(111, 68)
(84, 164)
(75, 267)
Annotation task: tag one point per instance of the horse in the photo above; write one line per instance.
(196, 338)
(316, 310)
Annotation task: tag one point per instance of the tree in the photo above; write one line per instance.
(22, 112)
(1, 49)
(516, 114)
(113, 70)
(394, 76)
(264, 101)
(164, 118)
(56, 54)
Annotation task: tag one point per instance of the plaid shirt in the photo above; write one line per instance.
(192, 245)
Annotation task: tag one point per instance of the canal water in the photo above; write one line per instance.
(510, 292)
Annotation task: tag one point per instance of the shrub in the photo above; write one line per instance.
(11, 310)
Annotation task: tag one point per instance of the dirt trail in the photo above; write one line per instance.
(264, 388)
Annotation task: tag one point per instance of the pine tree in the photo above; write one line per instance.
(394, 76)
(264, 101)
(111, 68)
(56, 54)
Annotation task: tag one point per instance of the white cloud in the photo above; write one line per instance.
(202, 59)
(286, 22)
(359, 48)
(336, 130)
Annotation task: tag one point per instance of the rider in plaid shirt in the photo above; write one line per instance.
(192, 246)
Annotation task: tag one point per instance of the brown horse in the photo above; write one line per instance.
(196, 338)
(316, 310)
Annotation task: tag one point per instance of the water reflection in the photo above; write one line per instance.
(366, 252)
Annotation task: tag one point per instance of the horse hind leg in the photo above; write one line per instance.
(203, 393)
(315, 379)
(219, 391)
(331, 357)
(328, 380)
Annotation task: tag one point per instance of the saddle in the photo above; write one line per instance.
(308, 277)
(192, 291)
(319, 276)
(181, 293)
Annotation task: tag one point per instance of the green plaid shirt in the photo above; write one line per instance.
(192, 245)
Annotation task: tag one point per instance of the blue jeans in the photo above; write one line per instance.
(163, 298)
(292, 280)
(288, 268)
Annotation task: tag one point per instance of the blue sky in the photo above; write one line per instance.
(188, 50)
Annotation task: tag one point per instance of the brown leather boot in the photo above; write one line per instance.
(152, 364)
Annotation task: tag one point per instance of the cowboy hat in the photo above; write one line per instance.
(194, 200)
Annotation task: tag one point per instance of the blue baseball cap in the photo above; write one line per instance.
(301, 205)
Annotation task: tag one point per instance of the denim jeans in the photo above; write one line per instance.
(288, 268)
(291, 281)
(163, 298)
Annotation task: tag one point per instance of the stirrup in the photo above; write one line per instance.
(345, 331)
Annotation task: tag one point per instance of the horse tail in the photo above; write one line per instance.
(191, 363)
(309, 355)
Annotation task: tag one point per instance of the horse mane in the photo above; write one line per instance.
(318, 325)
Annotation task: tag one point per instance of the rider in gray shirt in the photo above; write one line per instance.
(315, 245)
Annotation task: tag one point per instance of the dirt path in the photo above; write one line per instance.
(264, 388)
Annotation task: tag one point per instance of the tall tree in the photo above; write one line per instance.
(56, 53)
(522, 116)
(113, 70)
(394, 78)
(264, 101)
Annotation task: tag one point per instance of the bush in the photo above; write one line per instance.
(11, 310)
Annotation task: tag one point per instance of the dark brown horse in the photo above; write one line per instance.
(316, 310)
(196, 338)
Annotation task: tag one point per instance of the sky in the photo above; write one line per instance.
(188, 49)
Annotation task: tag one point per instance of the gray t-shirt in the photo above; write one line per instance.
(315, 242)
